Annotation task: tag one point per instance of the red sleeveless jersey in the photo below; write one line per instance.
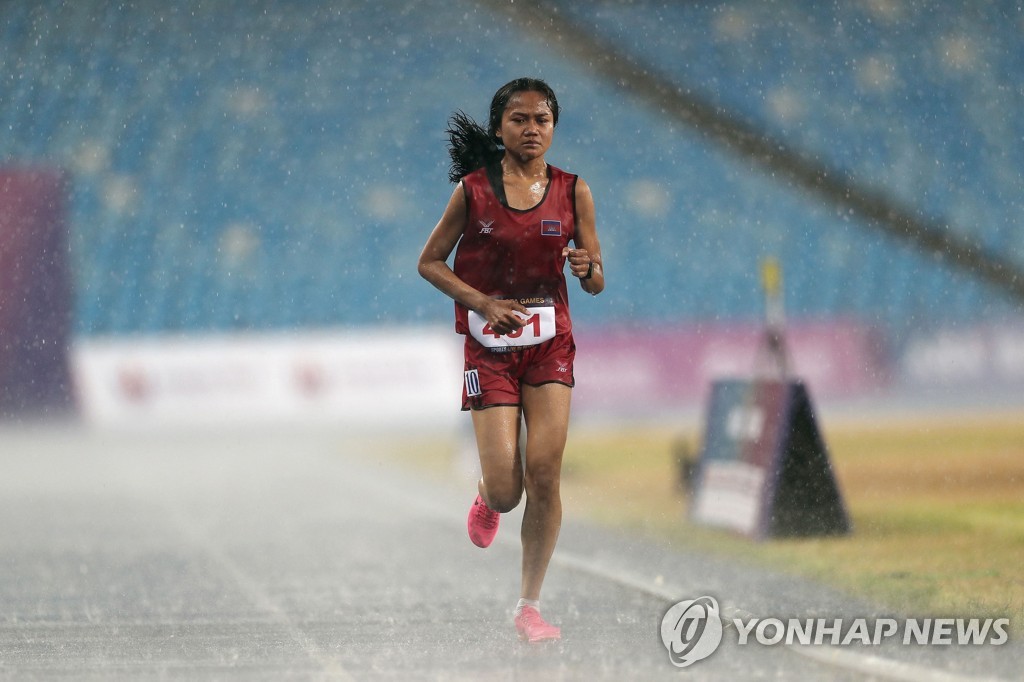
(510, 253)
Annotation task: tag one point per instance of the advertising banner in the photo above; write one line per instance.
(638, 369)
(394, 378)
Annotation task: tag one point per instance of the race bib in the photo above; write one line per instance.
(540, 327)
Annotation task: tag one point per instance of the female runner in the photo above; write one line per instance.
(513, 217)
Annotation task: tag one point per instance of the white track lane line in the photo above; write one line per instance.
(868, 664)
(258, 596)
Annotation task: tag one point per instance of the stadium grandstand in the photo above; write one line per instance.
(267, 166)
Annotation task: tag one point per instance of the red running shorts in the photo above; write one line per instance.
(495, 378)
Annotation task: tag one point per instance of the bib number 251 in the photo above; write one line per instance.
(539, 327)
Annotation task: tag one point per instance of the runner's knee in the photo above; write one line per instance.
(542, 480)
(504, 499)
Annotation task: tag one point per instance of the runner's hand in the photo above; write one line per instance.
(501, 315)
(579, 261)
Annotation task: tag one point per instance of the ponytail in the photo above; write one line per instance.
(469, 146)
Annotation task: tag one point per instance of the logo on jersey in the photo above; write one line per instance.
(551, 228)
(485, 226)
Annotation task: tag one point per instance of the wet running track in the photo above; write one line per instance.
(279, 556)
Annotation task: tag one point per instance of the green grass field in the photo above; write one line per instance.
(937, 506)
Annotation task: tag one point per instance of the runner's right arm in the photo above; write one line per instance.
(433, 267)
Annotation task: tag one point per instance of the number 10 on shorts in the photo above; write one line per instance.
(473, 383)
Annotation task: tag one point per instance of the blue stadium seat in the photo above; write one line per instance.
(321, 130)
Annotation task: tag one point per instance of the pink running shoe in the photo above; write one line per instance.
(532, 628)
(482, 523)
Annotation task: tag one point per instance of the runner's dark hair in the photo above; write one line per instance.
(470, 146)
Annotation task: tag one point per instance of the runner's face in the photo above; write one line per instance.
(527, 125)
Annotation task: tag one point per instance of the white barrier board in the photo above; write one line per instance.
(378, 377)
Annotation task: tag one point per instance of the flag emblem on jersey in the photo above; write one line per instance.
(472, 383)
(551, 228)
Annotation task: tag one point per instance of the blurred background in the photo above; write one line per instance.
(212, 211)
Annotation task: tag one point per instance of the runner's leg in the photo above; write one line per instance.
(546, 411)
(497, 440)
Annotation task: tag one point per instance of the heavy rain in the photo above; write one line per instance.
(230, 423)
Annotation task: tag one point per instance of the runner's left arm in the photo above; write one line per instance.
(585, 259)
